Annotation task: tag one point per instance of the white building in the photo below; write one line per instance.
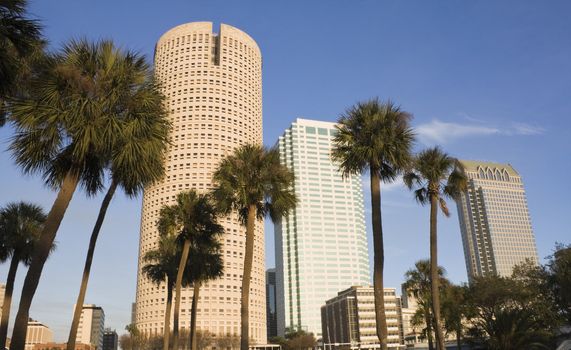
(213, 88)
(37, 333)
(321, 246)
(91, 326)
(349, 318)
(494, 220)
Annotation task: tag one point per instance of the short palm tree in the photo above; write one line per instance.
(205, 263)
(20, 225)
(67, 128)
(194, 220)
(375, 136)
(20, 37)
(137, 159)
(161, 267)
(435, 175)
(417, 285)
(254, 184)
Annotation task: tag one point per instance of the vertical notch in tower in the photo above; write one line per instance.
(216, 48)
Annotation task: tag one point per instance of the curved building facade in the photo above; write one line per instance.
(213, 85)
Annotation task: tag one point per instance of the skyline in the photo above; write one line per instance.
(492, 75)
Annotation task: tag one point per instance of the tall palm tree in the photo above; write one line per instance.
(435, 175)
(20, 224)
(205, 263)
(253, 183)
(20, 37)
(417, 285)
(375, 136)
(67, 128)
(162, 267)
(137, 158)
(194, 220)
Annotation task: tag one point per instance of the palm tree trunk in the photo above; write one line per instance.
(167, 327)
(192, 335)
(245, 293)
(39, 257)
(178, 286)
(434, 276)
(87, 268)
(379, 260)
(8, 299)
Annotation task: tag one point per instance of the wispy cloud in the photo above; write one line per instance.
(526, 129)
(442, 132)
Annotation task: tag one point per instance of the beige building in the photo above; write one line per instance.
(213, 85)
(2, 292)
(91, 326)
(62, 346)
(37, 333)
(349, 318)
(494, 220)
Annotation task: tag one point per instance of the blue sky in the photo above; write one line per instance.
(486, 80)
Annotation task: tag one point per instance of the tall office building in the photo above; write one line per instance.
(91, 326)
(271, 304)
(494, 220)
(213, 86)
(349, 318)
(37, 333)
(321, 246)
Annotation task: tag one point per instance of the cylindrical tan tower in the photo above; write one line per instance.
(213, 84)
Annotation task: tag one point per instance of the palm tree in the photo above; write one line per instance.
(375, 136)
(162, 266)
(435, 175)
(253, 183)
(20, 37)
(136, 160)
(20, 224)
(194, 220)
(205, 263)
(417, 285)
(67, 129)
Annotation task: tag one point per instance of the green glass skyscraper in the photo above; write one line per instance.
(321, 246)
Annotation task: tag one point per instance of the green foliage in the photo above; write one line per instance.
(455, 309)
(374, 135)
(417, 285)
(193, 217)
(558, 279)
(162, 262)
(436, 173)
(20, 43)
(20, 226)
(295, 339)
(512, 310)
(91, 107)
(254, 176)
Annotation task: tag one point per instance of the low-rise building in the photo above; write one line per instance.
(37, 333)
(349, 318)
(62, 346)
